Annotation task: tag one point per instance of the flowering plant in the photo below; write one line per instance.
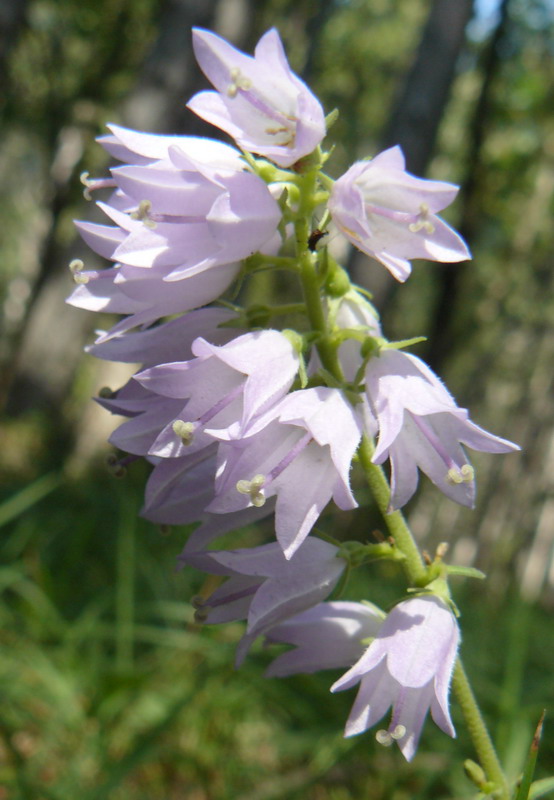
(244, 418)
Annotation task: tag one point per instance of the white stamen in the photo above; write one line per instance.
(91, 184)
(423, 222)
(238, 81)
(184, 430)
(143, 214)
(254, 488)
(398, 732)
(383, 737)
(465, 474)
(76, 266)
(84, 178)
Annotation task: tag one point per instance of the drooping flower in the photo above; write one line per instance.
(301, 451)
(222, 387)
(171, 341)
(259, 101)
(408, 666)
(392, 215)
(263, 586)
(420, 426)
(327, 636)
(186, 212)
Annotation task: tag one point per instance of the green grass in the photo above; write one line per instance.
(109, 690)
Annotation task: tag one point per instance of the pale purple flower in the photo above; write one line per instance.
(327, 636)
(171, 406)
(300, 451)
(408, 666)
(391, 215)
(144, 295)
(263, 586)
(223, 386)
(186, 212)
(420, 425)
(167, 342)
(149, 412)
(259, 101)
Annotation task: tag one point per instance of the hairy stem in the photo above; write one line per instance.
(478, 731)
(395, 522)
(397, 527)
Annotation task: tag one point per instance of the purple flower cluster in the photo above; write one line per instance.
(242, 421)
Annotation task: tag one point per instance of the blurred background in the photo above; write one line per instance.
(108, 688)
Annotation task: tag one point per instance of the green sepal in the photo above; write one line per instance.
(466, 572)
(308, 163)
(524, 788)
(298, 344)
(331, 118)
(403, 343)
(436, 585)
(325, 156)
(357, 553)
(372, 346)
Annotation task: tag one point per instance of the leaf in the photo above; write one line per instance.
(524, 790)
(541, 788)
(20, 502)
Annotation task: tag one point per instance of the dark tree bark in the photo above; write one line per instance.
(451, 275)
(420, 105)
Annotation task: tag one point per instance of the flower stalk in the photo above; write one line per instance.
(244, 419)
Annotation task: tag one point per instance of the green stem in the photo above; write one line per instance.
(310, 279)
(414, 566)
(395, 522)
(478, 731)
(416, 574)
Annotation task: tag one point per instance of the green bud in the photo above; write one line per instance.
(475, 773)
(337, 283)
(370, 347)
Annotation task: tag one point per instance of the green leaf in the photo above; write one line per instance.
(541, 788)
(20, 502)
(524, 790)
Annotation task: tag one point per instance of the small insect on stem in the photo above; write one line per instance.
(314, 238)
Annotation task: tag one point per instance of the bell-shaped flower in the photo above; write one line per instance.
(167, 342)
(259, 101)
(392, 215)
(144, 296)
(150, 412)
(327, 636)
(171, 405)
(408, 666)
(228, 385)
(420, 425)
(263, 586)
(183, 223)
(301, 451)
